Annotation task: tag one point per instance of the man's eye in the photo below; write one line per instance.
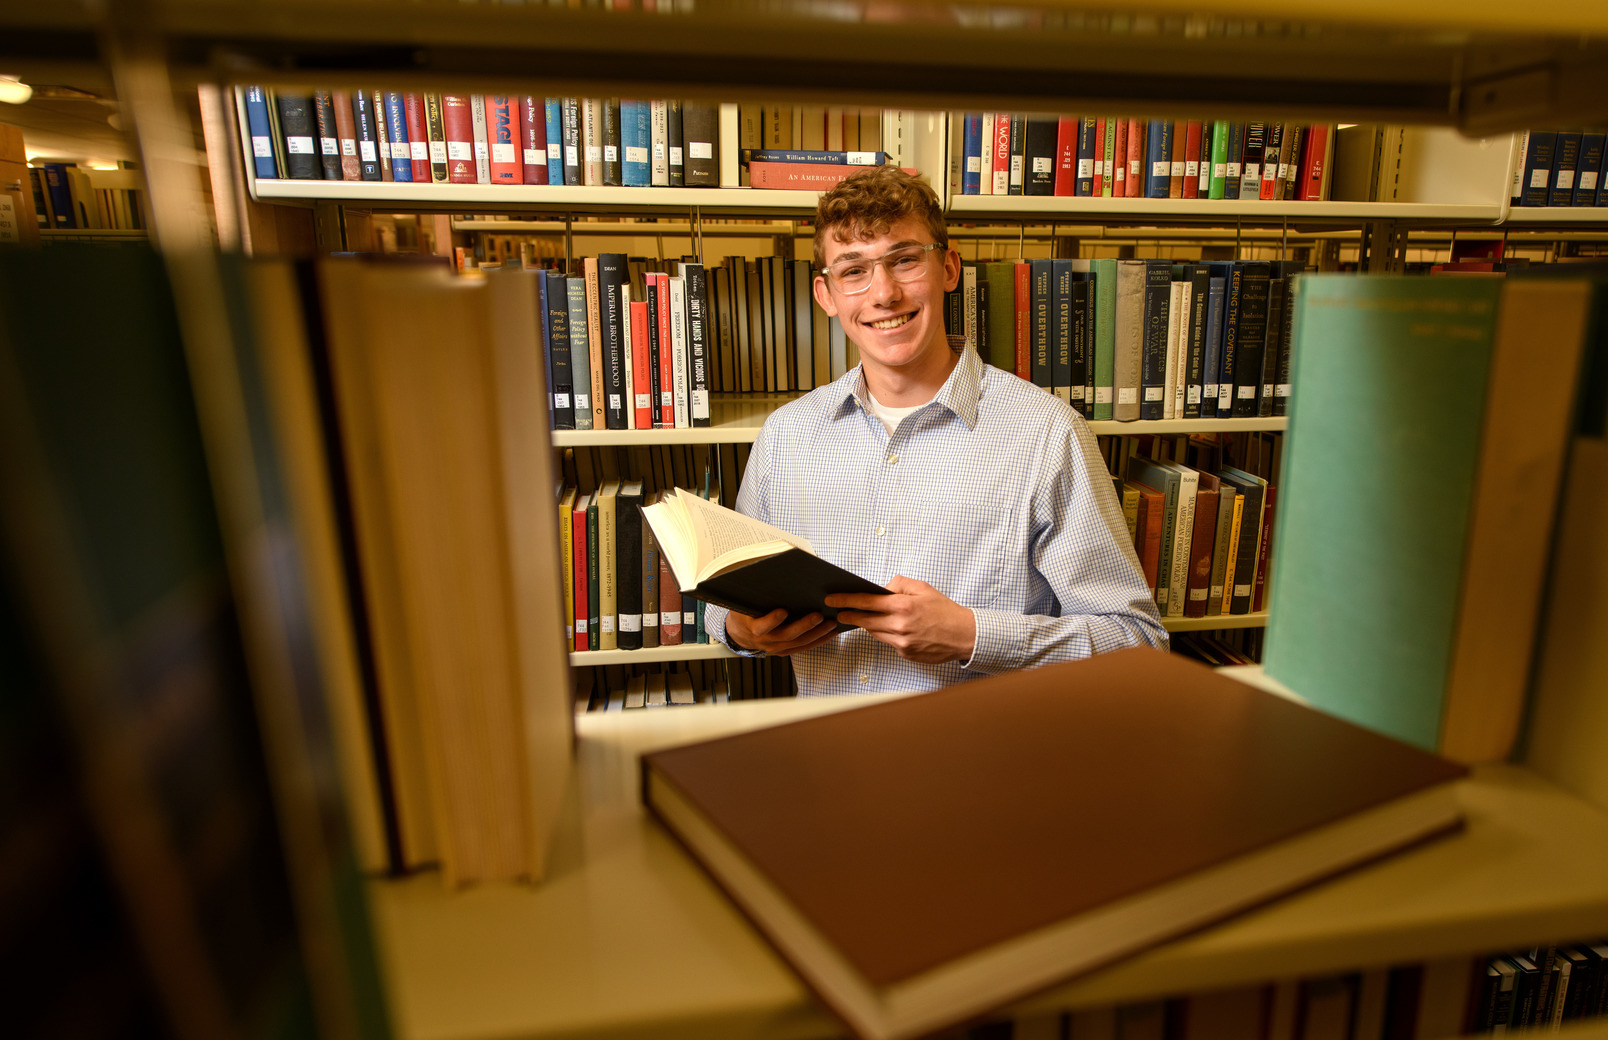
(852, 271)
(906, 262)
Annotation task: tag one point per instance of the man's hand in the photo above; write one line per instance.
(772, 635)
(918, 621)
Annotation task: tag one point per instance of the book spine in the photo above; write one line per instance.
(260, 130)
(580, 355)
(382, 135)
(1082, 338)
(1137, 151)
(661, 403)
(1235, 165)
(481, 138)
(503, 135)
(1119, 159)
(1201, 550)
(606, 566)
(1251, 155)
(579, 553)
(1259, 585)
(458, 128)
(553, 117)
(1228, 357)
(611, 285)
(676, 377)
(1001, 145)
(1153, 370)
(670, 612)
(1192, 136)
(1175, 165)
(1061, 329)
(642, 374)
(797, 176)
(1066, 156)
(1270, 345)
(1158, 159)
(632, 166)
(418, 136)
(532, 143)
(396, 133)
(1252, 339)
(1039, 158)
(674, 128)
(555, 299)
(297, 127)
(1203, 185)
(329, 141)
(1565, 161)
(1220, 542)
(1018, 153)
(1104, 306)
(435, 131)
(1023, 279)
(971, 173)
(346, 135)
(598, 117)
(1273, 143)
(570, 110)
(650, 564)
(1219, 159)
(1043, 325)
(698, 342)
(824, 158)
(659, 144)
(1086, 157)
(1293, 164)
(700, 131)
(1591, 152)
(628, 566)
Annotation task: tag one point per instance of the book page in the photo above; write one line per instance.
(725, 530)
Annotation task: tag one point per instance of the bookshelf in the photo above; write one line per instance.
(627, 937)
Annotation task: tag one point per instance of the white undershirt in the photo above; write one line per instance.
(891, 417)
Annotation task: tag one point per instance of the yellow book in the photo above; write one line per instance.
(1233, 552)
(608, 592)
(566, 548)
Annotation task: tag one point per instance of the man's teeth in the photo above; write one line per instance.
(891, 323)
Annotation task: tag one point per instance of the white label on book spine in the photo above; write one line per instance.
(438, 151)
(614, 401)
(368, 151)
(1161, 168)
(1002, 182)
(1538, 178)
(658, 150)
(329, 146)
(583, 401)
(1177, 169)
(555, 153)
(668, 618)
(1242, 590)
(1161, 595)
(1233, 170)
(1016, 169)
(1282, 390)
(502, 153)
(675, 156)
(572, 155)
(700, 150)
(1565, 180)
(561, 400)
(535, 156)
(348, 146)
(1133, 167)
(1085, 168)
(667, 399)
(1210, 392)
(1225, 395)
(262, 146)
(1191, 169)
(1153, 393)
(634, 154)
(1128, 395)
(862, 158)
(1253, 170)
(650, 621)
(10, 230)
(1077, 392)
(1217, 592)
(400, 150)
(1102, 395)
(1219, 170)
(611, 153)
(606, 623)
(461, 151)
(644, 400)
(299, 145)
(1193, 396)
(1043, 164)
(1247, 392)
(595, 154)
(690, 618)
(420, 150)
(1267, 389)
(1197, 595)
(630, 622)
(1588, 180)
(700, 404)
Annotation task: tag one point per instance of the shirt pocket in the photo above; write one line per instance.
(965, 548)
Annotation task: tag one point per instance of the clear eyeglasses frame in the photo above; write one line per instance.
(854, 276)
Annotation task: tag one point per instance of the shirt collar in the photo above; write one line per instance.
(959, 393)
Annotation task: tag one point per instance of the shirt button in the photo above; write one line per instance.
(892, 459)
(864, 679)
(880, 529)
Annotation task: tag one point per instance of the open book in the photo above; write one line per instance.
(723, 557)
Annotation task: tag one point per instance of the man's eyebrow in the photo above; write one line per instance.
(855, 254)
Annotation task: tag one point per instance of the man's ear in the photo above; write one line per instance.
(823, 296)
(951, 269)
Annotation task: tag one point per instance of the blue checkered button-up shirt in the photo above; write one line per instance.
(994, 494)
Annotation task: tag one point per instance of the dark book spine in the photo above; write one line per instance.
(628, 567)
(1252, 338)
(1158, 159)
(1084, 183)
(698, 340)
(1195, 365)
(1153, 356)
(650, 585)
(1228, 358)
(1212, 354)
(612, 141)
(533, 143)
(1565, 163)
(1270, 346)
(636, 143)
(553, 110)
(396, 127)
(1078, 349)
(1590, 171)
(656, 351)
(677, 159)
(368, 135)
(1043, 332)
(435, 129)
(1061, 334)
(700, 132)
(1251, 154)
(296, 126)
(1234, 165)
(570, 110)
(1018, 147)
(1039, 163)
(261, 132)
(611, 285)
(329, 143)
(562, 373)
(971, 173)
(818, 158)
(594, 561)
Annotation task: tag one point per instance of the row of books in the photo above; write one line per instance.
(68, 196)
(1560, 168)
(425, 138)
(783, 145)
(1136, 339)
(1542, 988)
(1120, 157)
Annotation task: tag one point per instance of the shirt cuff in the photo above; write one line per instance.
(1001, 635)
(715, 626)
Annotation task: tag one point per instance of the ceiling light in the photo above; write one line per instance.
(13, 91)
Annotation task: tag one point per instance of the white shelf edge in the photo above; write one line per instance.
(963, 207)
(558, 197)
(650, 655)
(1256, 619)
(765, 229)
(1110, 427)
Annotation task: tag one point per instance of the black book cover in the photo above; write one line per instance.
(1061, 320)
(556, 301)
(570, 123)
(296, 127)
(1251, 151)
(612, 142)
(1018, 146)
(1270, 347)
(656, 410)
(1281, 370)
(1235, 279)
(1199, 277)
(700, 137)
(698, 339)
(329, 144)
(1153, 352)
(1043, 322)
(368, 135)
(1082, 296)
(1252, 337)
(672, 136)
(984, 305)
(435, 130)
(611, 298)
(628, 566)
(795, 580)
(1039, 164)
(1250, 530)
(1234, 162)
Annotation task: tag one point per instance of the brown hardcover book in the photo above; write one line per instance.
(1202, 546)
(924, 860)
(1175, 183)
(1147, 531)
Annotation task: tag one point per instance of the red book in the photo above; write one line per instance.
(1310, 183)
(1066, 155)
(418, 137)
(1099, 157)
(1147, 533)
(505, 136)
(1002, 153)
(801, 176)
(533, 149)
(1259, 589)
(582, 574)
(1024, 320)
(667, 366)
(669, 604)
(1198, 588)
(641, 367)
(1192, 159)
(458, 127)
(1136, 157)
(1175, 183)
(1119, 153)
(346, 132)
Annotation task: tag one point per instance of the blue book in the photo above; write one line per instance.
(971, 175)
(1214, 346)
(556, 312)
(262, 132)
(1565, 162)
(1158, 159)
(580, 351)
(396, 128)
(542, 320)
(1084, 184)
(823, 158)
(553, 116)
(1041, 314)
(1535, 184)
(636, 141)
(1153, 356)
(61, 195)
(1233, 282)
(1590, 170)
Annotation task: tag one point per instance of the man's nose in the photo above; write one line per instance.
(884, 285)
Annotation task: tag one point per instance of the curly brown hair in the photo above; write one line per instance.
(865, 205)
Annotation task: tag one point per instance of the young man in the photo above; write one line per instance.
(978, 500)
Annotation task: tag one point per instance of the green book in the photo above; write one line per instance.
(1001, 338)
(1105, 334)
(1219, 181)
(1420, 483)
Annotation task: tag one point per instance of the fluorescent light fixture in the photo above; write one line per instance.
(13, 91)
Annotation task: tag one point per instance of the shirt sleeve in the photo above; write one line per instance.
(753, 499)
(1080, 547)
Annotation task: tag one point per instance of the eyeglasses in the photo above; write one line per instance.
(853, 276)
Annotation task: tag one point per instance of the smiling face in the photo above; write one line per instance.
(898, 326)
